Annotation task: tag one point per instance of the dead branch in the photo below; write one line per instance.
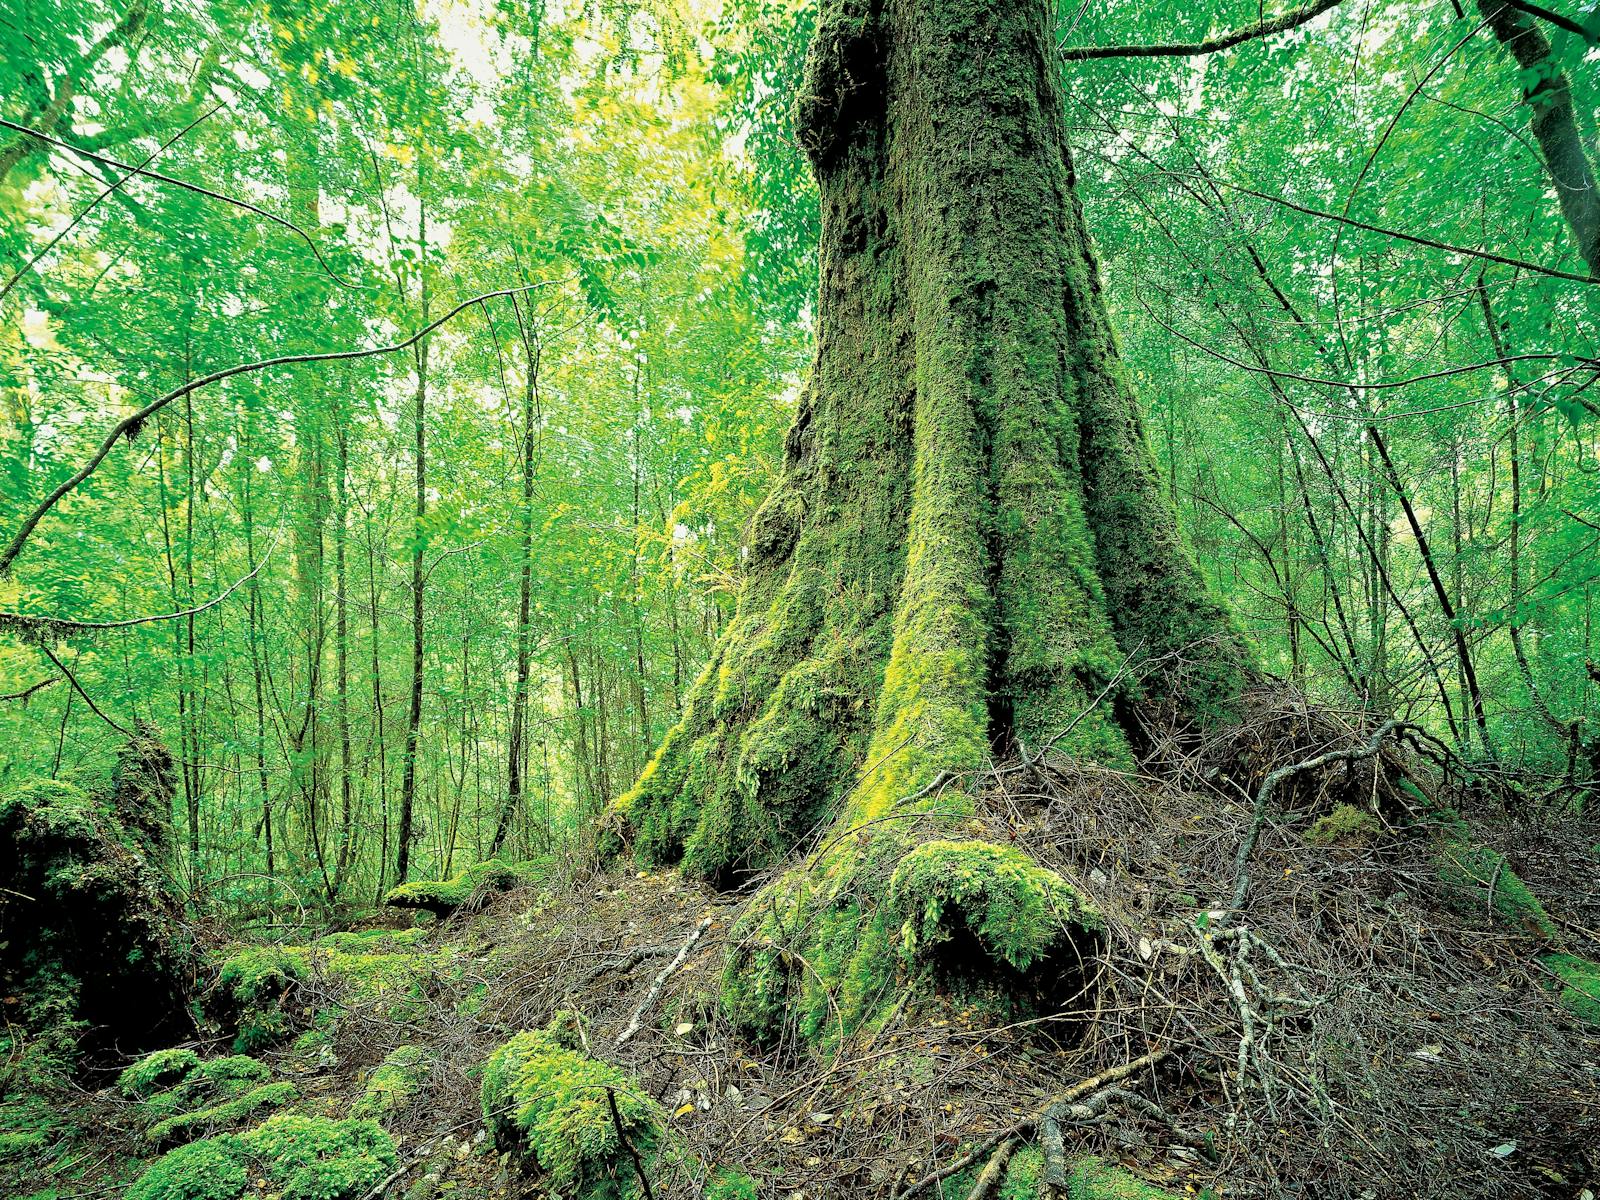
(654, 993)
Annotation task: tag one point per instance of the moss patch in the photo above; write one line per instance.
(1096, 1179)
(295, 1157)
(1580, 985)
(467, 891)
(393, 1084)
(549, 1104)
(1346, 825)
(1478, 877)
(183, 1097)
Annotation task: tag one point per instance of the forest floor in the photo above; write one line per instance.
(1366, 1033)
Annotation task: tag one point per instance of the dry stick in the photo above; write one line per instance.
(1227, 41)
(129, 426)
(1258, 817)
(638, 1167)
(78, 687)
(661, 980)
(989, 1178)
(1027, 1125)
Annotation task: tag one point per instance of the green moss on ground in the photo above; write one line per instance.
(1580, 985)
(184, 1097)
(728, 1184)
(468, 890)
(1479, 877)
(1094, 1178)
(295, 1157)
(1024, 1178)
(1346, 825)
(394, 1083)
(550, 1105)
(385, 972)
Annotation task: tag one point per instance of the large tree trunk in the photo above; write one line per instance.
(968, 542)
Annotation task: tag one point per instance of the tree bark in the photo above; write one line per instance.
(969, 539)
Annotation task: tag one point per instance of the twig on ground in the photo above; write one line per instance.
(654, 993)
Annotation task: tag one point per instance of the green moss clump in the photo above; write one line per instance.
(466, 891)
(728, 1184)
(548, 1104)
(1024, 1175)
(299, 1158)
(1580, 985)
(258, 989)
(1018, 910)
(1477, 876)
(1095, 1179)
(230, 1113)
(184, 1097)
(157, 1072)
(393, 1084)
(256, 992)
(1346, 825)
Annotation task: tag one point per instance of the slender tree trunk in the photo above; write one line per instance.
(516, 750)
(408, 778)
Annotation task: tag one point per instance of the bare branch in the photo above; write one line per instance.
(1292, 19)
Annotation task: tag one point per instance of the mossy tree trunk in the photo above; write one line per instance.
(969, 539)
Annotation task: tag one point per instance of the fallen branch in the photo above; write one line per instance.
(989, 1178)
(622, 1136)
(1063, 1105)
(654, 993)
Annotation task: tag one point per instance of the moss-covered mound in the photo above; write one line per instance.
(1580, 985)
(290, 1157)
(184, 1097)
(980, 918)
(394, 1083)
(94, 929)
(551, 1105)
(467, 891)
(259, 992)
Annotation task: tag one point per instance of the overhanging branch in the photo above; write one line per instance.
(1292, 19)
(129, 426)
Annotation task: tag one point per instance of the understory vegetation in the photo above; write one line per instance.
(826, 598)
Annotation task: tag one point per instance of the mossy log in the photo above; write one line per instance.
(465, 892)
(967, 551)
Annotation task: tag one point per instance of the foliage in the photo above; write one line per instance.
(551, 1104)
(1346, 825)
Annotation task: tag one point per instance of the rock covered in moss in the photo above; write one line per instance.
(184, 1097)
(1474, 874)
(549, 1104)
(294, 1157)
(464, 892)
(93, 927)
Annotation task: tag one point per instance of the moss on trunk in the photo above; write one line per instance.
(967, 540)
